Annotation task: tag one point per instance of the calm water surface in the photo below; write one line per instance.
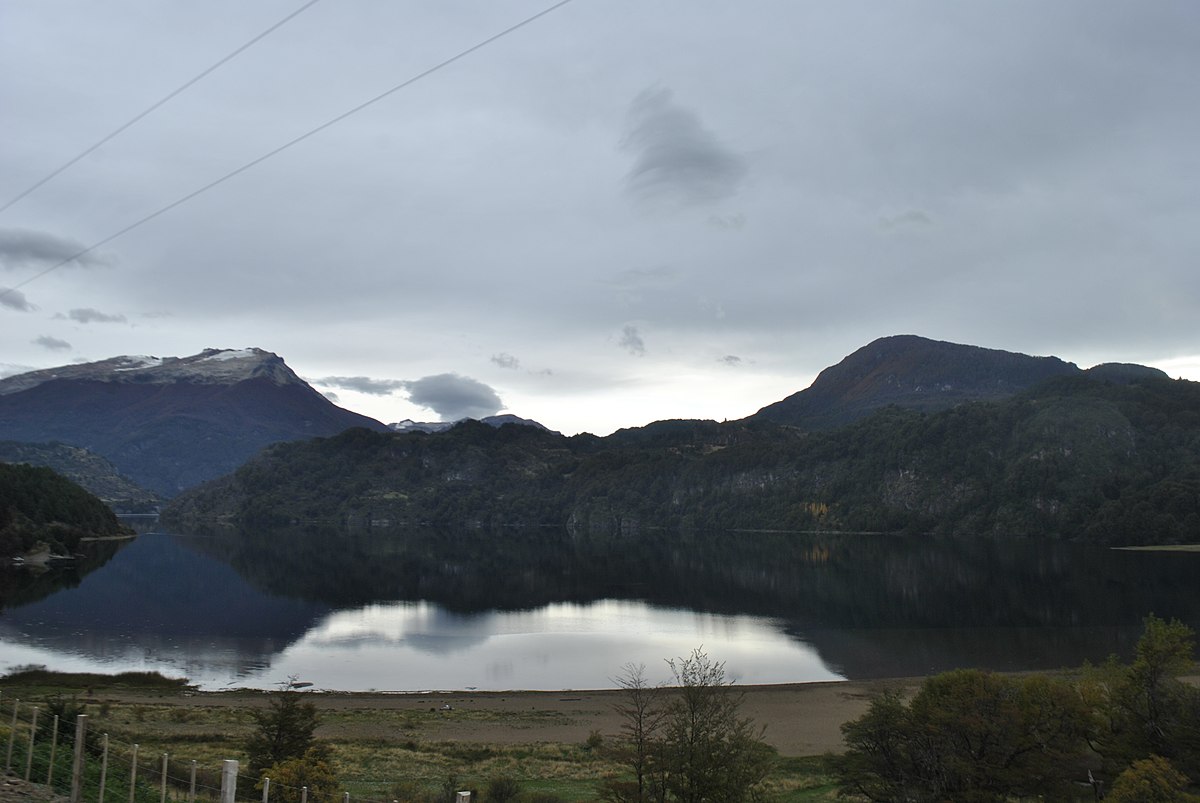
(413, 609)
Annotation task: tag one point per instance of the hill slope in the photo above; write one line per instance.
(911, 372)
(1075, 457)
(88, 470)
(171, 423)
(38, 505)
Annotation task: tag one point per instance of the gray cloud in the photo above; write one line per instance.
(449, 395)
(638, 277)
(52, 343)
(675, 157)
(631, 341)
(727, 222)
(89, 315)
(732, 360)
(453, 396)
(25, 248)
(505, 360)
(363, 384)
(906, 219)
(15, 299)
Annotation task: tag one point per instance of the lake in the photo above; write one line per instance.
(417, 609)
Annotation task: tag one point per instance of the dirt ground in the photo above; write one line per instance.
(799, 719)
(14, 790)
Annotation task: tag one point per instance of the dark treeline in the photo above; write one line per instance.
(39, 506)
(1075, 458)
(1121, 732)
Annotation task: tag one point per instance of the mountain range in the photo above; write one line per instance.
(905, 433)
(933, 444)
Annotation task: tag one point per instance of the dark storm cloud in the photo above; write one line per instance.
(89, 315)
(15, 299)
(25, 248)
(505, 360)
(453, 397)
(675, 157)
(631, 341)
(362, 384)
(52, 343)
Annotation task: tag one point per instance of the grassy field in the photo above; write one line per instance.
(383, 748)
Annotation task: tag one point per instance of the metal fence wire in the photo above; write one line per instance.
(41, 746)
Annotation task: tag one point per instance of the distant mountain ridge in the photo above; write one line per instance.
(209, 367)
(171, 423)
(1075, 457)
(911, 372)
(88, 470)
(408, 425)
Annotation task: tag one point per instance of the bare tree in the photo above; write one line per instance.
(642, 713)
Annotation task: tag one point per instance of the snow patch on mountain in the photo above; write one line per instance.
(408, 425)
(209, 367)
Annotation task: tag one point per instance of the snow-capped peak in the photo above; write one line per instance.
(211, 366)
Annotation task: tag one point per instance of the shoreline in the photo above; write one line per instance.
(799, 719)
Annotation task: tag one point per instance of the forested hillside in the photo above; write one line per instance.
(39, 506)
(1075, 457)
(88, 469)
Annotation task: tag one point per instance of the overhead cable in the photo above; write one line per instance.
(154, 106)
(259, 160)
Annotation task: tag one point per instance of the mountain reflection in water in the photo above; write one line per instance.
(420, 608)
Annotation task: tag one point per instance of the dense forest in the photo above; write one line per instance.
(38, 506)
(85, 468)
(1075, 457)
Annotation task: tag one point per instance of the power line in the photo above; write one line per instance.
(164, 100)
(252, 163)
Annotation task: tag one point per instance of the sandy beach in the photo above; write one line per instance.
(799, 719)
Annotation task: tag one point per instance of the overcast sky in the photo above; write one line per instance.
(624, 211)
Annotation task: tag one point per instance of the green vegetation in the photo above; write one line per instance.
(970, 735)
(383, 754)
(688, 746)
(89, 470)
(1076, 457)
(37, 506)
(38, 678)
(283, 734)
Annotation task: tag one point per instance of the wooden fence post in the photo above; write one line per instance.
(303, 794)
(266, 790)
(162, 798)
(103, 770)
(53, 749)
(29, 754)
(229, 768)
(192, 784)
(77, 765)
(133, 775)
(12, 732)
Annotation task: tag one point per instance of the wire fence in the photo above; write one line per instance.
(41, 745)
